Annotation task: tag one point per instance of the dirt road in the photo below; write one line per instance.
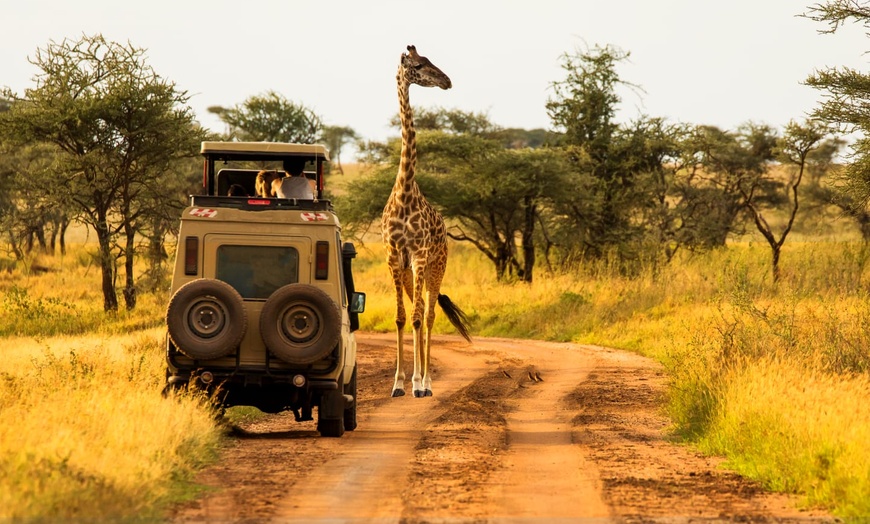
(517, 431)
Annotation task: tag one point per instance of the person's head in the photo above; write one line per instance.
(294, 166)
(237, 190)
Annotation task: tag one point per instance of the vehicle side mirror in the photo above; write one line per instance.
(357, 302)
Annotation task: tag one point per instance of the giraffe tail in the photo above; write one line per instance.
(456, 316)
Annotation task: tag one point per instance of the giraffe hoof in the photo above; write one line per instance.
(419, 393)
(427, 393)
(398, 393)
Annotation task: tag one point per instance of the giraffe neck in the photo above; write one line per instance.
(408, 162)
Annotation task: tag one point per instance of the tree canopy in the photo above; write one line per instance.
(117, 128)
(270, 117)
(631, 192)
(106, 136)
(845, 104)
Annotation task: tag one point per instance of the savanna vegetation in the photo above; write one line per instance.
(772, 376)
(737, 258)
(84, 430)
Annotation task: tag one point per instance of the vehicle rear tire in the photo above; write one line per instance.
(332, 428)
(330, 414)
(206, 319)
(350, 410)
(300, 324)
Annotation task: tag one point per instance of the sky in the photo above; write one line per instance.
(708, 62)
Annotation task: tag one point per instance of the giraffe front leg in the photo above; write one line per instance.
(399, 381)
(417, 379)
(420, 363)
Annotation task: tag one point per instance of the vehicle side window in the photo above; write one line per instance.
(257, 271)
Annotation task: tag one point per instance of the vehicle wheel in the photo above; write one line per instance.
(331, 427)
(206, 319)
(330, 413)
(300, 324)
(350, 410)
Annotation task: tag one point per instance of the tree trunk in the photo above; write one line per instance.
(57, 232)
(129, 257)
(52, 241)
(64, 225)
(107, 267)
(156, 247)
(15, 245)
(777, 249)
(528, 241)
(864, 225)
(28, 242)
(502, 262)
(39, 231)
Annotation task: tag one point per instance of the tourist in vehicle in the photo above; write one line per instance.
(266, 182)
(237, 190)
(295, 185)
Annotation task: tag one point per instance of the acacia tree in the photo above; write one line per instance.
(793, 149)
(724, 165)
(669, 214)
(454, 121)
(336, 137)
(115, 124)
(607, 160)
(28, 203)
(846, 99)
(35, 210)
(270, 117)
(493, 198)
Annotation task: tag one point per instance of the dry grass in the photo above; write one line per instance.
(774, 377)
(84, 430)
(797, 429)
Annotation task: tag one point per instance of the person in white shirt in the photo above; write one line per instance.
(295, 185)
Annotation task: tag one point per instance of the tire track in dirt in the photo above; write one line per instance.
(542, 452)
(368, 480)
(493, 445)
(502, 450)
(459, 453)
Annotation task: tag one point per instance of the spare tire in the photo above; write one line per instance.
(206, 319)
(300, 324)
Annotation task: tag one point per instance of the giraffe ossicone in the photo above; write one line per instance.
(416, 238)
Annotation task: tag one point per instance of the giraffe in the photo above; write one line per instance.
(416, 238)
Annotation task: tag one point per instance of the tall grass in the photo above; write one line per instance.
(772, 376)
(796, 428)
(85, 433)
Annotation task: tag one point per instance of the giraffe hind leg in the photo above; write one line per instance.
(427, 343)
(433, 288)
(399, 279)
(421, 350)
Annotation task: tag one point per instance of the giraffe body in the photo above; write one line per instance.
(416, 238)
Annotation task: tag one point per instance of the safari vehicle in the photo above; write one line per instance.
(263, 307)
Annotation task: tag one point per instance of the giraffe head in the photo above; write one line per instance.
(416, 69)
